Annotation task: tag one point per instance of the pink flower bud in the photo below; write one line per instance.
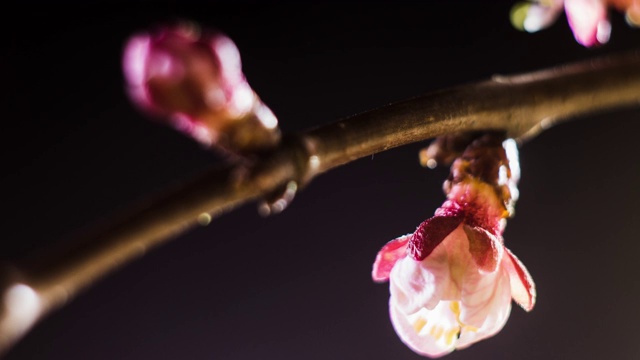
(588, 20)
(195, 81)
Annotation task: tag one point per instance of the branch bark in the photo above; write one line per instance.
(521, 105)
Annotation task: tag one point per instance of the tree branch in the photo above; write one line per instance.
(521, 105)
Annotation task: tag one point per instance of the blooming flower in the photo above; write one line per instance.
(194, 79)
(452, 280)
(587, 18)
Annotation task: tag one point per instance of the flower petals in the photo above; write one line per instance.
(421, 284)
(588, 20)
(523, 290)
(485, 248)
(431, 233)
(388, 256)
(493, 312)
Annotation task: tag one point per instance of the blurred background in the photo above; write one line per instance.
(297, 285)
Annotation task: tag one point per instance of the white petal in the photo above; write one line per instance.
(496, 312)
(431, 333)
(541, 16)
(478, 292)
(414, 286)
(418, 284)
(480, 288)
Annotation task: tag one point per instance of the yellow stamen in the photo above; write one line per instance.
(455, 308)
(419, 324)
(451, 334)
(437, 332)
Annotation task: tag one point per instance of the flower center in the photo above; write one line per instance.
(427, 323)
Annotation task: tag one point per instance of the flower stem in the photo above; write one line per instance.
(520, 105)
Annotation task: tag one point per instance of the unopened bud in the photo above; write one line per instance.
(194, 80)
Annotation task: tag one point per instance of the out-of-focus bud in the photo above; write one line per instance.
(195, 81)
(631, 9)
(588, 19)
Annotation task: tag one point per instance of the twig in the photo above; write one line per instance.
(520, 105)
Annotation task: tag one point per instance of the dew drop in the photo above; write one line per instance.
(204, 219)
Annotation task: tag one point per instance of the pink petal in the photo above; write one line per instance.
(588, 20)
(479, 203)
(485, 248)
(228, 57)
(134, 59)
(134, 64)
(431, 233)
(523, 290)
(388, 256)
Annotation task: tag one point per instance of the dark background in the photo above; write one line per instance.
(297, 285)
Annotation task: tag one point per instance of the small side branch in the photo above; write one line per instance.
(521, 105)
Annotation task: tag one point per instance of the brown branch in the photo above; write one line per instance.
(520, 105)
